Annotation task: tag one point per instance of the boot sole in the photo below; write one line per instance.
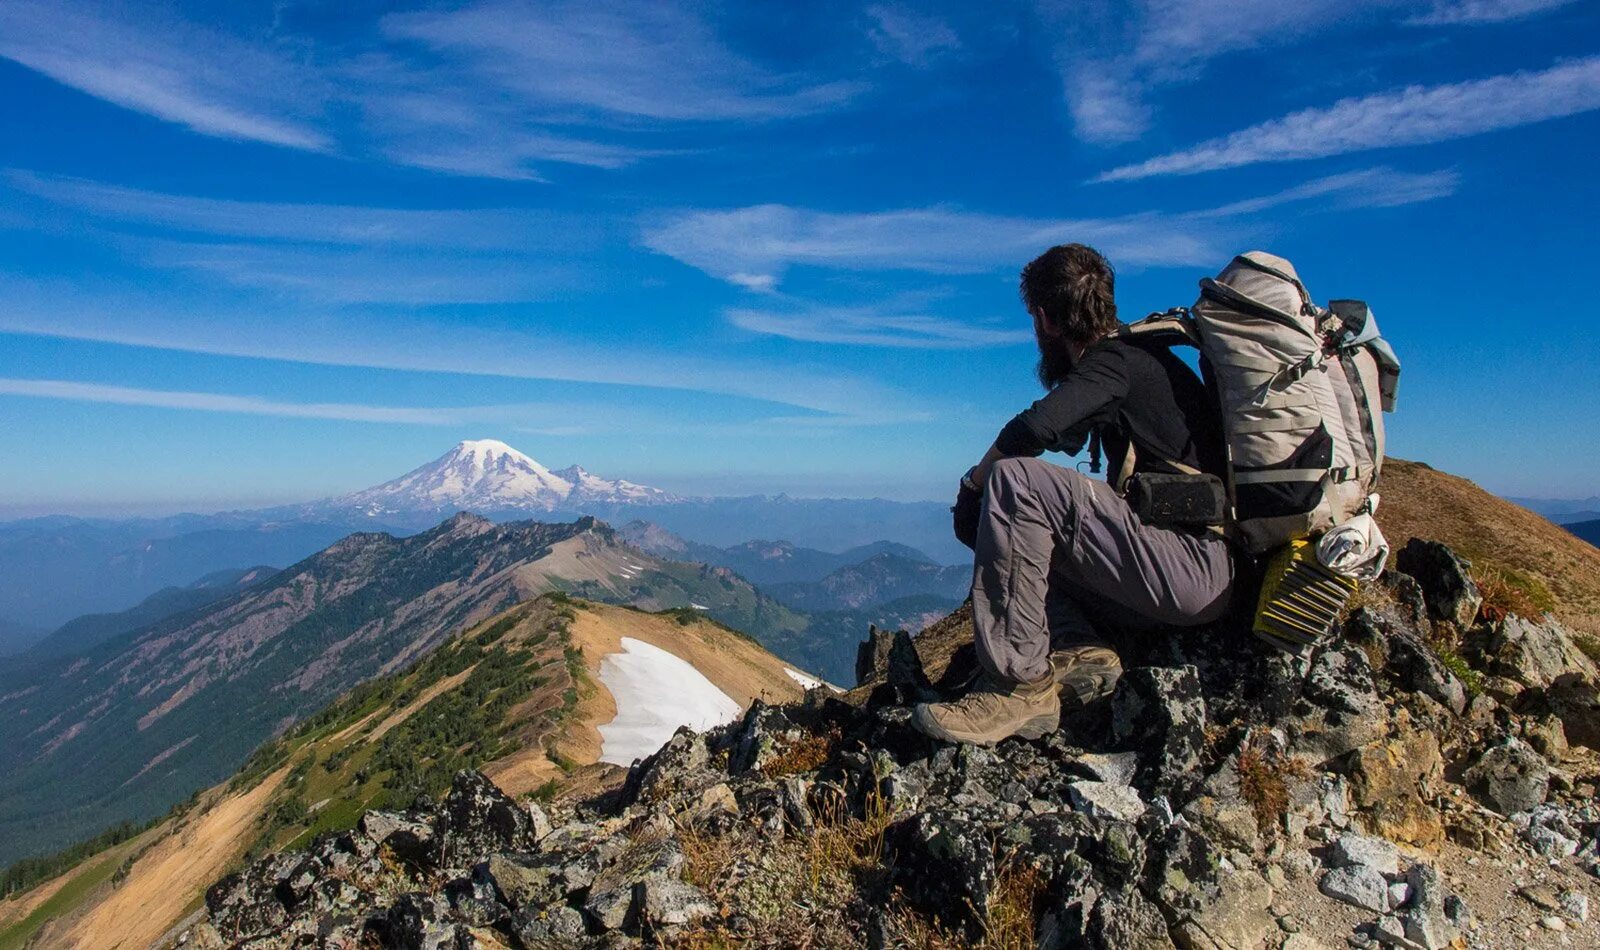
(1035, 728)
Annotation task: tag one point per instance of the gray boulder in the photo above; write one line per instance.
(1445, 578)
(1161, 713)
(1509, 777)
(1358, 886)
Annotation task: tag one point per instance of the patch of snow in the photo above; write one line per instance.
(806, 682)
(656, 692)
(695, 606)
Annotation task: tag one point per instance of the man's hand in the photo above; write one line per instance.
(967, 510)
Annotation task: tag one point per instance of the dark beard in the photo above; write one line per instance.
(1055, 361)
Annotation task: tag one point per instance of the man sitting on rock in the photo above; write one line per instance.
(1061, 559)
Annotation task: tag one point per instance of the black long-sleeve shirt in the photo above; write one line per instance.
(1128, 390)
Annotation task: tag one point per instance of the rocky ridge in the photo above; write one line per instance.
(1423, 779)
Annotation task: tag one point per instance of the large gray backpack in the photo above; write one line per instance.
(1302, 390)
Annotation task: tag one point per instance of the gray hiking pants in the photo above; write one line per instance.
(1050, 536)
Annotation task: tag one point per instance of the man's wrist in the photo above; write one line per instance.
(970, 482)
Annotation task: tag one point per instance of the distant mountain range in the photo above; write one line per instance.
(55, 569)
(89, 631)
(137, 722)
(1562, 510)
(1587, 530)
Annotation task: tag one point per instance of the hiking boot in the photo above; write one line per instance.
(1085, 673)
(994, 710)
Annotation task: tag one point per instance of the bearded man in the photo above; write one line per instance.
(1063, 566)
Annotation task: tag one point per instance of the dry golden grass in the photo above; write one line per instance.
(1009, 922)
(1264, 775)
(807, 754)
(1542, 560)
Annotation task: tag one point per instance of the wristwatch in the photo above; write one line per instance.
(969, 483)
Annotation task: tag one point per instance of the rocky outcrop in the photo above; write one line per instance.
(1212, 801)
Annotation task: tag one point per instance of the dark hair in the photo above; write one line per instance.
(1073, 286)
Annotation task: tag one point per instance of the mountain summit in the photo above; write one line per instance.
(489, 475)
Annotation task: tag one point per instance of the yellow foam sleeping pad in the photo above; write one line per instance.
(1300, 598)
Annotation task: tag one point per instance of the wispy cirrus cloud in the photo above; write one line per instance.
(75, 391)
(459, 229)
(872, 326)
(1415, 115)
(1112, 54)
(415, 343)
(1459, 12)
(910, 36)
(754, 247)
(206, 80)
(497, 89)
(630, 59)
(339, 254)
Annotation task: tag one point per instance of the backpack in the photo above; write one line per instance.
(1301, 389)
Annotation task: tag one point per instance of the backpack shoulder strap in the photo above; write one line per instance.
(1175, 327)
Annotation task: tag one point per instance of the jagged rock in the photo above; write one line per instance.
(236, 905)
(1238, 919)
(1427, 921)
(1576, 700)
(891, 658)
(1534, 654)
(1419, 669)
(475, 901)
(1161, 713)
(419, 921)
(1357, 885)
(409, 840)
(478, 819)
(612, 908)
(1338, 708)
(1220, 809)
(1104, 800)
(1118, 768)
(946, 863)
(1445, 579)
(520, 884)
(1389, 780)
(560, 926)
(1509, 777)
(1353, 850)
(1124, 918)
(666, 902)
(763, 733)
(681, 762)
(1549, 832)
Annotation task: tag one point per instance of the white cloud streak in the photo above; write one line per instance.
(753, 247)
(1164, 42)
(478, 229)
(220, 402)
(496, 89)
(414, 344)
(1465, 12)
(201, 79)
(859, 326)
(1415, 115)
(909, 36)
(641, 59)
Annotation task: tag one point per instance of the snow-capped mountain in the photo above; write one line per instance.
(489, 475)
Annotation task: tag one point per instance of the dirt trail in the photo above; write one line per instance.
(163, 882)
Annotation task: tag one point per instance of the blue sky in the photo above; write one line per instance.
(257, 253)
